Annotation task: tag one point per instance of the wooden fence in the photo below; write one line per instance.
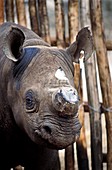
(34, 14)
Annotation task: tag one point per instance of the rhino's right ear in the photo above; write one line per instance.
(13, 42)
(84, 42)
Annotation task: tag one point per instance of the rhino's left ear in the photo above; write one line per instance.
(83, 42)
(13, 41)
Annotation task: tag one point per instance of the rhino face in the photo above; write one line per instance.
(45, 106)
(41, 93)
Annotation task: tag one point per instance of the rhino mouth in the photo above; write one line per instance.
(59, 134)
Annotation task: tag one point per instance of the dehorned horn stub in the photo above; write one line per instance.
(66, 101)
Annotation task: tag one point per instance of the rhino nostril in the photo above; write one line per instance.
(47, 129)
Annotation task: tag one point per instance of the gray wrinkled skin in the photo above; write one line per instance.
(38, 110)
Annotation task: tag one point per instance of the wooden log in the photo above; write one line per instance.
(93, 99)
(73, 25)
(1, 11)
(73, 15)
(21, 14)
(41, 20)
(104, 72)
(109, 45)
(95, 117)
(44, 21)
(33, 16)
(69, 158)
(9, 10)
(59, 23)
(81, 143)
(82, 157)
(73, 18)
(69, 151)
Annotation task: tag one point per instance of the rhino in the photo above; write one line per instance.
(38, 100)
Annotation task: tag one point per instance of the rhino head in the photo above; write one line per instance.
(41, 91)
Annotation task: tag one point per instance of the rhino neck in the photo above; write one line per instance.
(7, 122)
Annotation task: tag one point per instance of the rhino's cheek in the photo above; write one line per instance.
(58, 133)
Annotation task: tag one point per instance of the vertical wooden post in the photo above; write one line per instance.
(33, 16)
(73, 29)
(9, 9)
(43, 21)
(21, 15)
(93, 99)
(104, 73)
(73, 20)
(59, 23)
(81, 143)
(46, 23)
(1, 11)
(95, 117)
(69, 158)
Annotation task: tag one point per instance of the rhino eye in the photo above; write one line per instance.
(31, 103)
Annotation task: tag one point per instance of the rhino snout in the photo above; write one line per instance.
(66, 101)
(61, 134)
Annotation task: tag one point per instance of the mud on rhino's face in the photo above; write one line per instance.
(47, 101)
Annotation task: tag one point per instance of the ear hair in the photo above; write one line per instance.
(13, 41)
